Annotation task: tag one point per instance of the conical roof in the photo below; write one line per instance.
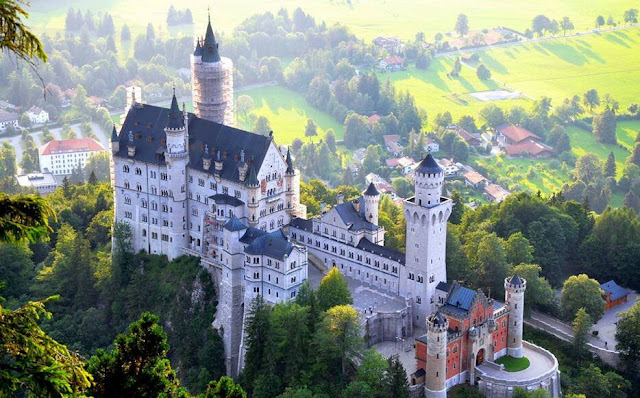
(253, 176)
(289, 163)
(198, 51)
(114, 134)
(175, 120)
(210, 47)
(429, 166)
(515, 280)
(437, 319)
(371, 190)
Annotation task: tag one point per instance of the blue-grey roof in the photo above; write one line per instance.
(616, 291)
(355, 220)
(443, 286)
(198, 50)
(210, 47)
(252, 181)
(289, 162)
(224, 199)
(371, 190)
(301, 223)
(174, 118)
(234, 224)
(114, 134)
(428, 166)
(497, 305)
(437, 319)
(515, 280)
(422, 339)
(366, 245)
(147, 123)
(273, 244)
(461, 297)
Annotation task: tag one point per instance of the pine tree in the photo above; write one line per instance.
(395, 380)
(632, 201)
(604, 127)
(258, 335)
(458, 208)
(66, 187)
(610, 166)
(92, 178)
(635, 155)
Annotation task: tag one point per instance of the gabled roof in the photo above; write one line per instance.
(302, 223)
(516, 133)
(429, 166)
(443, 286)
(147, 123)
(7, 116)
(527, 146)
(461, 297)
(355, 220)
(474, 177)
(71, 145)
(616, 291)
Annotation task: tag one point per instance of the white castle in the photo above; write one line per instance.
(193, 184)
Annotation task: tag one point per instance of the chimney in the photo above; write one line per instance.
(340, 198)
(356, 205)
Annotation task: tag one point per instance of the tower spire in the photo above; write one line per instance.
(210, 46)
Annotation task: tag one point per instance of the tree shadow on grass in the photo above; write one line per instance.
(493, 64)
(567, 53)
(616, 40)
(623, 36)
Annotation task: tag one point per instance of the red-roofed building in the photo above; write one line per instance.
(529, 148)
(61, 157)
(392, 145)
(475, 179)
(391, 63)
(405, 163)
(509, 134)
(472, 139)
(495, 193)
(374, 118)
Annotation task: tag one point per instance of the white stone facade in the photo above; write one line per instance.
(62, 157)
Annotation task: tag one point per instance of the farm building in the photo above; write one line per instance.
(392, 145)
(495, 193)
(472, 139)
(529, 148)
(475, 179)
(614, 294)
(509, 134)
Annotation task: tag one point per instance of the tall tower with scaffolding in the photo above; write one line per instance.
(211, 81)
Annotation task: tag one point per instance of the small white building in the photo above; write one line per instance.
(8, 119)
(61, 157)
(432, 145)
(37, 115)
(44, 183)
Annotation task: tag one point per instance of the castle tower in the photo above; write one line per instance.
(514, 292)
(115, 147)
(211, 81)
(371, 201)
(426, 214)
(292, 181)
(177, 158)
(436, 381)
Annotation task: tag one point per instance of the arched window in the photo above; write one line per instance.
(125, 168)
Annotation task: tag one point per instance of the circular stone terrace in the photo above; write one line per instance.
(541, 373)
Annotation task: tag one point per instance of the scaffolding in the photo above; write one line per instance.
(212, 90)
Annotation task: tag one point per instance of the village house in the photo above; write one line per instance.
(43, 183)
(472, 139)
(431, 145)
(510, 134)
(392, 144)
(450, 168)
(37, 115)
(474, 179)
(62, 157)
(374, 118)
(529, 148)
(405, 164)
(393, 45)
(495, 193)
(8, 119)
(382, 185)
(7, 106)
(391, 63)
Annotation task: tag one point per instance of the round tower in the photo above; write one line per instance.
(436, 378)
(211, 81)
(371, 200)
(514, 292)
(177, 158)
(253, 186)
(429, 179)
(291, 185)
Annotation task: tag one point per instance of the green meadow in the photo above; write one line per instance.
(436, 92)
(366, 18)
(563, 67)
(287, 112)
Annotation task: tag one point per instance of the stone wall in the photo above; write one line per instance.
(389, 326)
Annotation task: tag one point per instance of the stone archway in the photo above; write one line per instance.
(480, 357)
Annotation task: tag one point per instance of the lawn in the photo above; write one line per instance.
(583, 142)
(436, 92)
(627, 132)
(366, 18)
(512, 364)
(288, 112)
(563, 67)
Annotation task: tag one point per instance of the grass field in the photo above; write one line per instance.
(436, 92)
(287, 112)
(563, 67)
(583, 142)
(512, 364)
(627, 133)
(366, 18)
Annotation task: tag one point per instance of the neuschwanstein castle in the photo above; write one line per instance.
(190, 183)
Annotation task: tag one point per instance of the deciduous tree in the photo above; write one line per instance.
(333, 290)
(580, 291)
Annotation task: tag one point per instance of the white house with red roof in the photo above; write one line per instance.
(61, 157)
(37, 115)
(510, 134)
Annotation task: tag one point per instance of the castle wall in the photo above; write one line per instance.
(388, 326)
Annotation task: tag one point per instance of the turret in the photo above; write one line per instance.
(115, 141)
(131, 146)
(253, 186)
(206, 158)
(371, 201)
(514, 292)
(243, 167)
(292, 185)
(436, 381)
(429, 179)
